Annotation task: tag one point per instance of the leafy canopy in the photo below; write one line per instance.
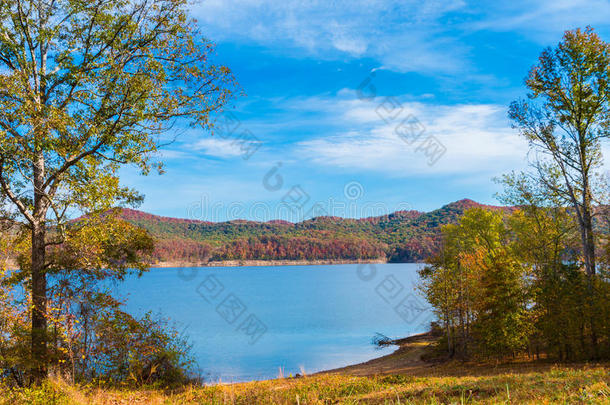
(86, 86)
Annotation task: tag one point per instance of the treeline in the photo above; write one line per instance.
(414, 250)
(538, 281)
(404, 236)
(268, 248)
(505, 286)
(283, 248)
(181, 250)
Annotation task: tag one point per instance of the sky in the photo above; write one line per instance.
(359, 108)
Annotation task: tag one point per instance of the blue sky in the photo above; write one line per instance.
(363, 107)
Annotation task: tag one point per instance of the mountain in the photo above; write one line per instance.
(403, 236)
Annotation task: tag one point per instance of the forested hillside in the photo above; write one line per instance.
(403, 236)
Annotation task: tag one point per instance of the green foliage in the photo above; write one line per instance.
(77, 116)
(89, 336)
(404, 236)
(503, 286)
(88, 86)
(46, 393)
(502, 326)
(14, 333)
(565, 119)
(476, 286)
(139, 352)
(536, 280)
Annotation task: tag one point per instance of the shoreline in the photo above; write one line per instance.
(406, 358)
(243, 263)
(10, 265)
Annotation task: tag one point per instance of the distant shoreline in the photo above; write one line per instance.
(242, 263)
(11, 265)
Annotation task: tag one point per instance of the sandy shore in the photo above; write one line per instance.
(404, 360)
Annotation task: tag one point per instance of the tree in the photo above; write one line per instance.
(87, 86)
(546, 241)
(476, 286)
(502, 326)
(565, 118)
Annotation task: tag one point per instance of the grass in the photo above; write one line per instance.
(446, 384)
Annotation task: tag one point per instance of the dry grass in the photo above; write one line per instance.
(444, 384)
(398, 378)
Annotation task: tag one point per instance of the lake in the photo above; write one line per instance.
(249, 322)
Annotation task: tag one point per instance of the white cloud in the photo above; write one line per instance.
(173, 154)
(477, 138)
(543, 21)
(223, 148)
(346, 41)
(404, 36)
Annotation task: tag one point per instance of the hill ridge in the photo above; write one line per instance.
(401, 236)
(464, 203)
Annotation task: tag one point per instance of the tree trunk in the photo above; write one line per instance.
(39, 304)
(588, 240)
(39, 277)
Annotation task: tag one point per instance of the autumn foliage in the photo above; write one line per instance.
(403, 236)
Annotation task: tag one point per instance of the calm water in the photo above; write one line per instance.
(247, 322)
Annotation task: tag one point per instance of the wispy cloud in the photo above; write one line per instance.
(477, 137)
(454, 65)
(404, 36)
(341, 131)
(542, 21)
(217, 147)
